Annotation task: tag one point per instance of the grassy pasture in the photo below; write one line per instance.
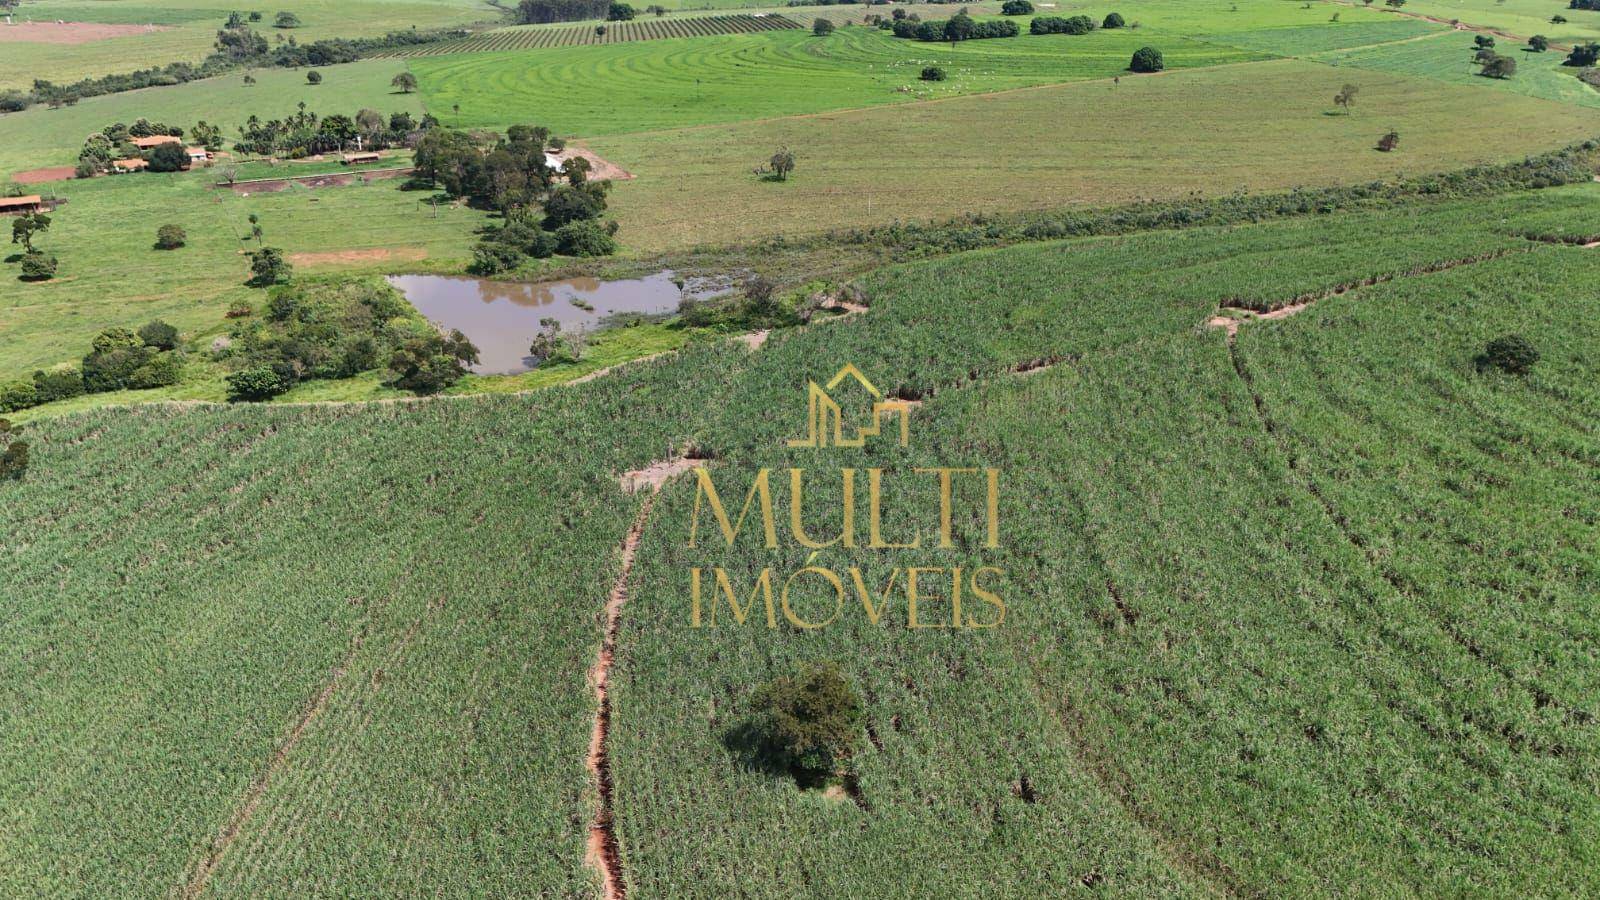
(112, 275)
(41, 136)
(1519, 17)
(671, 83)
(1206, 683)
(1448, 57)
(1309, 39)
(191, 27)
(1260, 126)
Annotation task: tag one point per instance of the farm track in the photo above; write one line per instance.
(605, 851)
(539, 37)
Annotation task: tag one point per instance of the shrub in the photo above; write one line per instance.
(171, 237)
(14, 461)
(429, 363)
(1583, 55)
(1058, 25)
(1499, 67)
(584, 238)
(822, 28)
(1016, 8)
(619, 12)
(313, 77)
(38, 266)
(809, 722)
(58, 384)
(1389, 141)
(1113, 20)
(492, 257)
(1483, 42)
(1147, 59)
(18, 395)
(116, 355)
(286, 20)
(933, 73)
(161, 370)
(1512, 354)
(257, 383)
(159, 335)
(1538, 43)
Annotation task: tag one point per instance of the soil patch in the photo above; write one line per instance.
(356, 257)
(332, 179)
(69, 32)
(656, 474)
(599, 169)
(51, 173)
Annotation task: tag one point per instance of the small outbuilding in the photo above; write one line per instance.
(356, 159)
(199, 155)
(156, 140)
(129, 165)
(18, 206)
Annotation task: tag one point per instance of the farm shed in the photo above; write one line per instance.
(156, 140)
(354, 159)
(21, 205)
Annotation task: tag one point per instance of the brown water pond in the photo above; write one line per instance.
(502, 318)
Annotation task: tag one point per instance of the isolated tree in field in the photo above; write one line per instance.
(249, 79)
(932, 73)
(782, 163)
(1499, 67)
(808, 723)
(1147, 59)
(1483, 42)
(268, 267)
(619, 12)
(656, 9)
(1538, 43)
(1512, 354)
(170, 237)
(255, 15)
(1016, 8)
(405, 81)
(1113, 20)
(313, 77)
(1558, 20)
(599, 30)
(38, 266)
(1389, 141)
(26, 226)
(1346, 97)
(286, 20)
(822, 28)
(1395, 3)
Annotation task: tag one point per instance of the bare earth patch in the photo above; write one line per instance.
(52, 173)
(69, 32)
(356, 257)
(599, 169)
(656, 474)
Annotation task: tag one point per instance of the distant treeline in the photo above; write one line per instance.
(237, 49)
(543, 12)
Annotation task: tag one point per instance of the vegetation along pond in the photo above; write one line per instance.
(502, 317)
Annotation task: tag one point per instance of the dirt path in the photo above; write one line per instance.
(1458, 25)
(605, 853)
(50, 173)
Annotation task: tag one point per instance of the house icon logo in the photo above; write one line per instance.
(825, 416)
